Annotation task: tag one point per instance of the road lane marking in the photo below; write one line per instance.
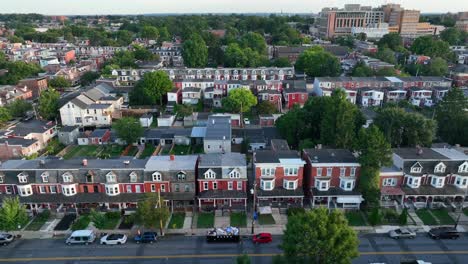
(103, 258)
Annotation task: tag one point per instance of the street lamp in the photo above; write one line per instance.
(254, 213)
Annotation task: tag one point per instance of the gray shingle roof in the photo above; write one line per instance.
(330, 156)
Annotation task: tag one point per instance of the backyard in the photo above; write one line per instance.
(177, 221)
(148, 151)
(238, 219)
(102, 151)
(181, 150)
(205, 220)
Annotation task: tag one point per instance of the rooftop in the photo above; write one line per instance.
(230, 159)
(164, 163)
(330, 156)
(418, 153)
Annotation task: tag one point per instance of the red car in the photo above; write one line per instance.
(262, 238)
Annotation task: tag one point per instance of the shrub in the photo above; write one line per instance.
(44, 215)
(375, 217)
(403, 218)
(295, 210)
(112, 215)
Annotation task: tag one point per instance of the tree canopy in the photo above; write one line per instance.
(427, 45)
(316, 62)
(128, 129)
(5, 115)
(391, 41)
(239, 100)
(266, 108)
(452, 117)
(152, 212)
(195, 52)
(151, 89)
(49, 104)
(19, 107)
(12, 214)
(321, 237)
(59, 82)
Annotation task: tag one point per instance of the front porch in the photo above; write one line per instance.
(222, 199)
(336, 198)
(427, 196)
(391, 197)
(280, 198)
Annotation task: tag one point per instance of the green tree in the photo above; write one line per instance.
(266, 108)
(437, 67)
(89, 77)
(316, 62)
(164, 34)
(239, 101)
(124, 37)
(321, 237)
(347, 41)
(19, 107)
(391, 41)
(150, 32)
(375, 217)
(59, 82)
(183, 109)
(234, 56)
(195, 52)
(152, 212)
(362, 70)
(387, 71)
(281, 62)
(141, 53)
(98, 219)
(12, 214)
(254, 41)
(4, 115)
(453, 36)
(151, 89)
(124, 59)
(49, 104)
(386, 54)
(128, 129)
(427, 45)
(292, 126)
(452, 117)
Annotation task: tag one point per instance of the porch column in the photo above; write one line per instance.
(120, 206)
(229, 202)
(48, 206)
(172, 206)
(427, 199)
(302, 202)
(107, 205)
(199, 204)
(313, 202)
(214, 202)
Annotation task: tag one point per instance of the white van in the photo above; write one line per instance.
(81, 237)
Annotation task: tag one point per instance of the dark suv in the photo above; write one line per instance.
(444, 233)
(146, 237)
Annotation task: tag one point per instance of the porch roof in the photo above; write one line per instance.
(280, 193)
(428, 190)
(334, 191)
(223, 194)
(390, 190)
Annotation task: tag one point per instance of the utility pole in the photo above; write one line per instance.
(159, 204)
(254, 192)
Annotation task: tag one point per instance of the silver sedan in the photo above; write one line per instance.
(402, 233)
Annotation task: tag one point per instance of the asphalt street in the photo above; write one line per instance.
(181, 249)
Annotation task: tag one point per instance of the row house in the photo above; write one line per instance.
(278, 178)
(420, 96)
(191, 95)
(425, 81)
(294, 92)
(331, 178)
(371, 97)
(95, 107)
(35, 84)
(40, 131)
(97, 51)
(459, 75)
(274, 97)
(170, 54)
(197, 83)
(10, 93)
(395, 95)
(390, 182)
(212, 97)
(222, 181)
(432, 176)
(17, 148)
(110, 183)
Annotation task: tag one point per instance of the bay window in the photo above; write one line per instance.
(290, 185)
(69, 189)
(461, 181)
(437, 182)
(413, 182)
(347, 185)
(112, 189)
(322, 185)
(24, 190)
(267, 185)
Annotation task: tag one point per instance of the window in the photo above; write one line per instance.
(290, 171)
(181, 176)
(234, 174)
(22, 177)
(463, 167)
(389, 182)
(416, 168)
(53, 189)
(163, 188)
(209, 174)
(153, 188)
(267, 185)
(205, 186)
(129, 188)
(319, 171)
(137, 188)
(176, 188)
(112, 189)
(347, 185)
(230, 185)
(440, 167)
(353, 172)
(187, 188)
(329, 172)
(24, 190)
(89, 178)
(157, 176)
(68, 190)
(322, 185)
(342, 172)
(268, 171)
(67, 177)
(8, 189)
(239, 185)
(45, 177)
(461, 181)
(42, 189)
(414, 182)
(111, 177)
(289, 185)
(437, 182)
(215, 185)
(133, 177)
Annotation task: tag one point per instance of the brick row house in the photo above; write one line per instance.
(331, 178)
(222, 181)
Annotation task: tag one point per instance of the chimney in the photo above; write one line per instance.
(319, 146)
(41, 163)
(172, 157)
(85, 162)
(126, 162)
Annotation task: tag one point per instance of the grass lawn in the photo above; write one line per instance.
(112, 150)
(238, 219)
(426, 217)
(111, 220)
(94, 151)
(205, 220)
(165, 150)
(355, 218)
(177, 221)
(180, 150)
(148, 151)
(266, 219)
(39, 221)
(443, 216)
(133, 151)
(81, 223)
(198, 149)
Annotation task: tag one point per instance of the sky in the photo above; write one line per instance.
(91, 7)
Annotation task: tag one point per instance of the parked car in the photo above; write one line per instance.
(246, 121)
(402, 233)
(444, 233)
(6, 239)
(81, 237)
(262, 238)
(228, 234)
(146, 237)
(114, 239)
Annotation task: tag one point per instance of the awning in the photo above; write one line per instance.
(349, 200)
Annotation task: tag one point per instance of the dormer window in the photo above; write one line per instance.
(416, 168)
(111, 177)
(133, 177)
(181, 176)
(45, 177)
(23, 177)
(463, 167)
(67, 177)
(2, 178)
(210, 174)
(157, 176)
(234, 174)
(440, 167)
